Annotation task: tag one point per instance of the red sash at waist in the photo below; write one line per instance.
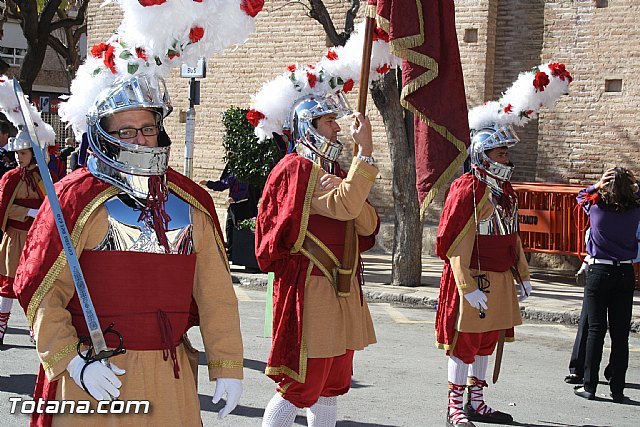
(25, 203)
(24, 226)
(497, 253)
(330, 232)
(28, 203)
(147, 296)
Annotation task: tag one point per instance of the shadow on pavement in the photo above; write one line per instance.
(19, 384)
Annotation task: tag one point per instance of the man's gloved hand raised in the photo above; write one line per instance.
(525, 290)
(477, 299)
(233, 388)
(99, 381)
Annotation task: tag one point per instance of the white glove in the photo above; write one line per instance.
(525, 290)
(477, 299)
(32, 213)
(101, 382)
(233, 388)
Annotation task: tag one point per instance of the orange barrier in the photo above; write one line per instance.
(549, 220)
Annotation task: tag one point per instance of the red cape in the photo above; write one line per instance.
(76, 192)
(8, 184)
(457, 216)
(280, 230)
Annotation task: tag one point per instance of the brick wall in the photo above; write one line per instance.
(589, 130)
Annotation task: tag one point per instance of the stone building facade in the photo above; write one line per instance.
(590, 129)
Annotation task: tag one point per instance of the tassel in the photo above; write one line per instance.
(154, 212)
(168, 347)
(29, 179)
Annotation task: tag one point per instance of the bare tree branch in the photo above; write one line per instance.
(320, 13)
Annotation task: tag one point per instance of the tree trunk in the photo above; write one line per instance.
(406, 269)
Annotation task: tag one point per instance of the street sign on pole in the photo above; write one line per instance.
(186, 71)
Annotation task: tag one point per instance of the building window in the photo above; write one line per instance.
(613, 85)
(471, 35)
(602, 3)
(12, 55)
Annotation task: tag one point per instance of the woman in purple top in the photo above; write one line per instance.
(613, 207)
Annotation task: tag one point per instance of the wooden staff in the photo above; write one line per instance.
(349, 255)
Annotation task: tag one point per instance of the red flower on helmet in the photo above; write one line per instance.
(195, 34)
(146, 3)
(508, 108)
(383, 69)
(251, 7)
(98, 50)
(348, 85)
(198, 1)
(141, 53)
(331, 55)
(254, 117)
(312, 79)
(540, 81)
(292, 68)
(559, 70)
(110, 59)
(380, 34)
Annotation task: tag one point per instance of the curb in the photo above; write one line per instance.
(373, 293)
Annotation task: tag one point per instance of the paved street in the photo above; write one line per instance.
(401, 381)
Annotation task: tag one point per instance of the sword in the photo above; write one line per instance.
(98, 347)
(500, 347)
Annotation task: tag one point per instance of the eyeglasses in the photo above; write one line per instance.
(129, 133)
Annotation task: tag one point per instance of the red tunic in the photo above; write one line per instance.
(283, 219)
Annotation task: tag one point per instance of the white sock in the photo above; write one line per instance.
(279, 412)
(478, 368)
(324, 413)
(5, 304)
(458, 371)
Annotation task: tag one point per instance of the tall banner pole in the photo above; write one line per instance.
(349, 256)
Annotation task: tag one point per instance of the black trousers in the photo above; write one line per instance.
(576, 363)
(608, 293)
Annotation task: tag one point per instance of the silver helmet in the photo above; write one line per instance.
(19, 142)
(485, 139)
(137, 92)
(304, 111)
(124, 164)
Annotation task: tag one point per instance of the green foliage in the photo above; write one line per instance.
(249, 224)
(249, 159)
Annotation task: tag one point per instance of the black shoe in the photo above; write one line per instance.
(573, 379)
(580, 391)
(618, 397)
(496, 417)
(452, 424)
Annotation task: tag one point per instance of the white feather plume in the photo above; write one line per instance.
(10, 107)
(524, 99)
(339, 66)
(154, 37)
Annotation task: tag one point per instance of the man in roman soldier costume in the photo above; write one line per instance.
(148, 242)
(320, 316)
(485, 272)
(21, 194)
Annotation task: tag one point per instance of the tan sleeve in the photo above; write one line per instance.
(522, 265)
(348, 201)
(15, 212)
(217, 304)
(56, 338)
